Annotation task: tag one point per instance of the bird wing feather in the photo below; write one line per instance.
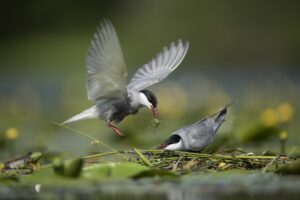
(106, 69)
(159, 67)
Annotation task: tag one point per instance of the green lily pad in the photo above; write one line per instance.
(289, 169)
(71, 168)
(154, 173)
(113, 170)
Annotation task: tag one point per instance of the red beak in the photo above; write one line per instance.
(154, 112)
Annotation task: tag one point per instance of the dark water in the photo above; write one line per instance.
(251, 186)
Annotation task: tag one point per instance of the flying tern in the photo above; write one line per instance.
(106, 78)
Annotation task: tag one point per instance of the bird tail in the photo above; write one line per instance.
(221, 117)
(222, 113)
(89, 113)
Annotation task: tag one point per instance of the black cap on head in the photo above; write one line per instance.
(173, 139)
(151, 97)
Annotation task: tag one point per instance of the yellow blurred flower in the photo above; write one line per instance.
(285, 112)
(224, 166)
(269, 117)
(11, 133)
(283, 135)
(221, 165)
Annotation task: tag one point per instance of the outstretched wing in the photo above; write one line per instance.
(159, 67)
(106, 70)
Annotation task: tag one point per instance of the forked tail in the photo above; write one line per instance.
(222, 113)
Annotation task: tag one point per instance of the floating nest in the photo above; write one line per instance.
(186, 161)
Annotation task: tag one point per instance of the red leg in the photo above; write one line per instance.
(114, 128)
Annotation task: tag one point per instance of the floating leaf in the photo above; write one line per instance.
(69, 169)
(113, 170)
(155, 172)
(58, 166)
(288, 169)
(73, 168)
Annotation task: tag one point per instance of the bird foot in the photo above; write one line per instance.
(115, 129)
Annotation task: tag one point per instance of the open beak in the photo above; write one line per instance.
(154, 112)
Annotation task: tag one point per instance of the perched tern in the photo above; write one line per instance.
(197, 136)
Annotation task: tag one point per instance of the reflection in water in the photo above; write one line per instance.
(209, 187)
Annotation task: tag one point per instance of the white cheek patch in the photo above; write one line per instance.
(144, 101)
(175, 147)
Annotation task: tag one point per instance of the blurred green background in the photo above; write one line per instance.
(239, 50)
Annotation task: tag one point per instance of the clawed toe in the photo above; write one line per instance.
(115, 129)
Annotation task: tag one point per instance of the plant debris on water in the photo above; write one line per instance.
(183, 161)
(112, 165)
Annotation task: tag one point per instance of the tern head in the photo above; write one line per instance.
(148, 99)
(173, 143)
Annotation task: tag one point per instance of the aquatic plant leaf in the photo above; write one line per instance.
(154, 173)
(143, 158)
(113, 170)
(71, 168)
(290, 169)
